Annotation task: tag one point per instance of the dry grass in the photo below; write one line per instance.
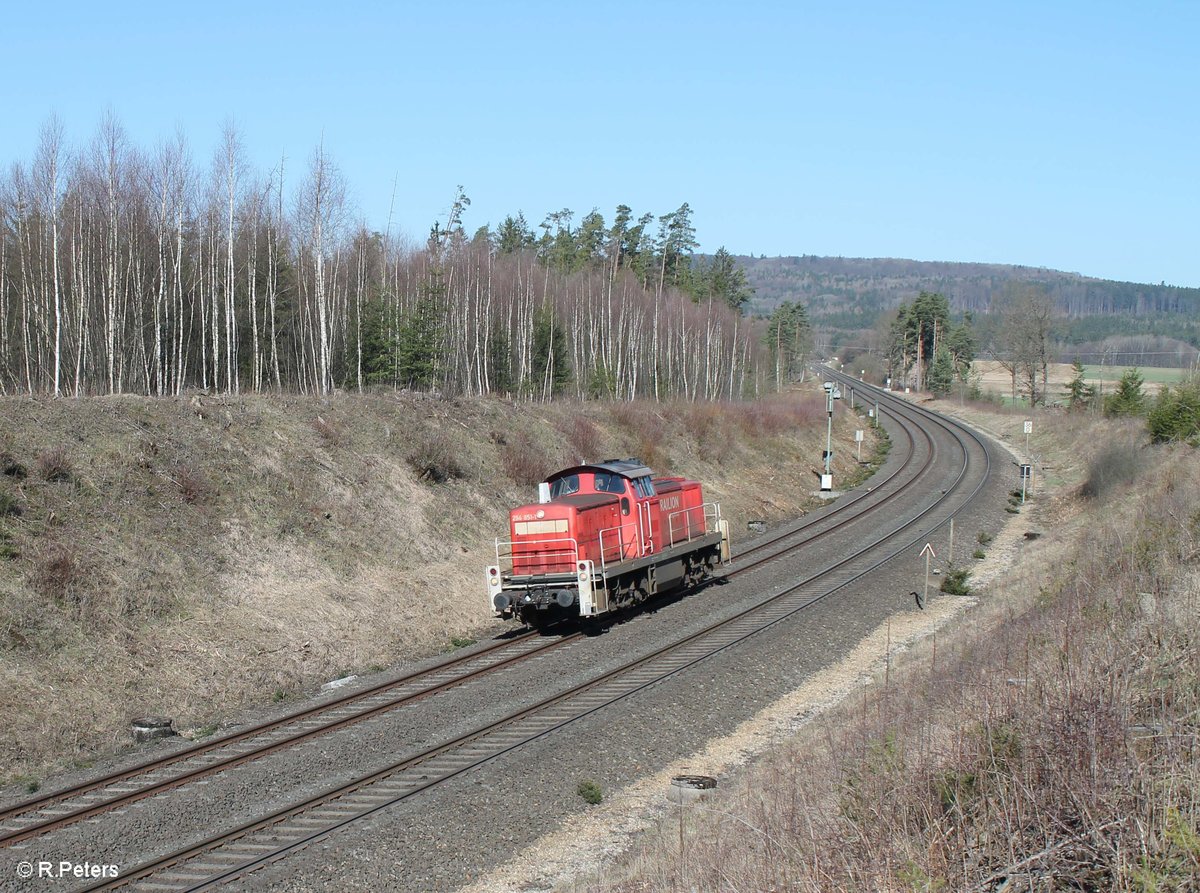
(331, 435)
(54, 465)
(56, 573)
(193, 486)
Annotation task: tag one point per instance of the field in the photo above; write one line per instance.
(996, 379)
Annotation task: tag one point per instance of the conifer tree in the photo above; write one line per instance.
(1128, 398)
(1080, 394)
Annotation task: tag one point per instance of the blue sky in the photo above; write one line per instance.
(1063, 135)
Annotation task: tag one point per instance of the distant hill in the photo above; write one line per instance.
(852, 293)
(869, 285)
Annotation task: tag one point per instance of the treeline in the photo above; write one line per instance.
(851, 293)
(132, 271)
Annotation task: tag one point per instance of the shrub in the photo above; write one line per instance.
(54, 465)
(984, 538)
(56, 571)
(10, 467)
(979, 553)
(590, 792)
(193, 486)
(1175, 415)
(328, 432)
(435, 459)
(955, 582)
(1128, 398)
(8, 504)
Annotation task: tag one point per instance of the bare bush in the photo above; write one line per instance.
(525, 462)
(54, 465)
(193, 486)
(651, 452)
(584, 438)
(56, 572)
(1113, 467)
(435, 459)
(646, 424)
(783, 414)
(330, 433)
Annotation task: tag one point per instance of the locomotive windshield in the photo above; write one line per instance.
(564, 486)
(609, 483)
(643, 487)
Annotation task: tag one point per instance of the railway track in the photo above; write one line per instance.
(272, 837)
(58, 809)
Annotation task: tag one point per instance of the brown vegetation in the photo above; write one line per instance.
(54, 465)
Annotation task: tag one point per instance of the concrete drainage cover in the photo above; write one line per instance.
(151, 728)
(686, 788)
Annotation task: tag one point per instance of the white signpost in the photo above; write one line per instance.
(858, 439)
(1027, 467)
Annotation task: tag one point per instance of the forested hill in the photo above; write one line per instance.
(854, 290)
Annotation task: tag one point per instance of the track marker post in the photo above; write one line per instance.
(928, 553)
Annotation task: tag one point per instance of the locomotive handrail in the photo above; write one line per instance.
(645, 527)
(622, 548)
(707, 509)
(567, 556)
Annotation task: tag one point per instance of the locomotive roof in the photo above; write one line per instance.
(630, 468)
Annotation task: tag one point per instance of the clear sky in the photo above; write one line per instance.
(1057, 134)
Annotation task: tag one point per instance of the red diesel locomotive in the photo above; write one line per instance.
(603, 537)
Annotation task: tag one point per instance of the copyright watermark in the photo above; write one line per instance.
(67, 869)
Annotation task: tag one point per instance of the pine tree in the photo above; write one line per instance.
(513, 235)
(722, 280)
(941, 373)
(788, 340)
(551, 368)
(1128, 398)
(1080, 394)
(1175, 415)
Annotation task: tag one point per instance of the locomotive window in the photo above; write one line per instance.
(564, 486)
(531, 528)
(609, 483)
(648, 484)
(624, 505)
